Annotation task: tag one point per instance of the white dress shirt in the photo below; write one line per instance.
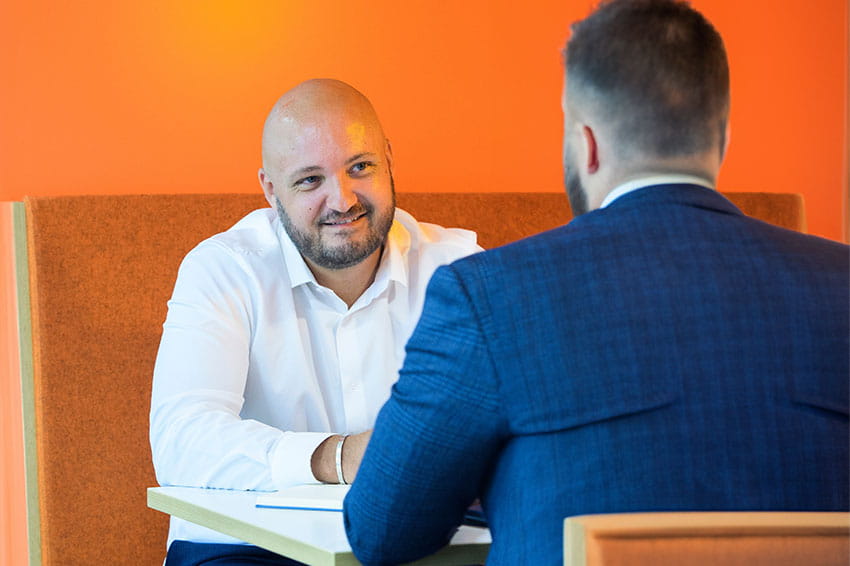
(258, 363)
(651, 181)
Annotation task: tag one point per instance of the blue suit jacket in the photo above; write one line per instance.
(664, 353)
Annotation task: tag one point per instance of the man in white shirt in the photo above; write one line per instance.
(285, 333)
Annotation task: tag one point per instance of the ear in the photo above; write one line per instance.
(268, 186)
(726, 137)
(591, 149)
(389, 153)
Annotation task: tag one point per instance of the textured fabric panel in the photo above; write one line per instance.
(102, 270)
(782, 209)
(498, 218)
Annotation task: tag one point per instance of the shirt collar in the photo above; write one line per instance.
(650, 181)
(394, 259)
(295, 266)
(392, 267)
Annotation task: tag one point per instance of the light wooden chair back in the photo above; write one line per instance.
(708, 539)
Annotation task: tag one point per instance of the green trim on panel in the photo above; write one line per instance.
(19, 227)
(575, 551)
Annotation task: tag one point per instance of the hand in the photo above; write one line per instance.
(323, 461)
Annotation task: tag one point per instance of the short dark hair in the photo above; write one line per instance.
(656, 70)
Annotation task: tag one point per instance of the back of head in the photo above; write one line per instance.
(655, 71)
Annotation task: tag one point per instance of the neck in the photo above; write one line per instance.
(703, 166)
(350, 282)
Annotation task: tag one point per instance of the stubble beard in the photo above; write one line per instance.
(572, 182)
(312, 245)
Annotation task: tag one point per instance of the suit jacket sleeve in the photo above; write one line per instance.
(435, 439)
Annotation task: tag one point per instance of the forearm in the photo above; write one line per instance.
(435, 439)
(206, 445)
(211, 449)
(411, 492)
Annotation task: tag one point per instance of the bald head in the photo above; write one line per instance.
(312, 105)
(327, 170)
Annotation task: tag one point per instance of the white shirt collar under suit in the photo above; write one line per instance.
(651, 181)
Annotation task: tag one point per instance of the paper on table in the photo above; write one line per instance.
(314, 497)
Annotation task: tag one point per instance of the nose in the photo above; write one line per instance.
(340, 196)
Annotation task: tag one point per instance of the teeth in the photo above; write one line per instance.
(345, 221)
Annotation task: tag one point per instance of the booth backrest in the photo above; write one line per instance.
(95, 274)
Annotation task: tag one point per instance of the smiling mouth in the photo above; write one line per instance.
(343, 221)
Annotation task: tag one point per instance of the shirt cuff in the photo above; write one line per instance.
(290, 459)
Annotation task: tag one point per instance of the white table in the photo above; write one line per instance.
(313, 537)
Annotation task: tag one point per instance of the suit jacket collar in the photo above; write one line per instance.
(650, 180)
(684, 194)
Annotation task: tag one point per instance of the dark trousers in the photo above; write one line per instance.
(185, 553)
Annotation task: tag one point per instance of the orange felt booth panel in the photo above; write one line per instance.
(101, 270)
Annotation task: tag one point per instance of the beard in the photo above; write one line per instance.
(312, 245)
(572, 182)
(575, 191)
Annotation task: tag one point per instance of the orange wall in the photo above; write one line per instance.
(164, 96)
(169, 96)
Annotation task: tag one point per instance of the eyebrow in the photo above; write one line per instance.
(303, 170)
(359, 156)
(313, 168)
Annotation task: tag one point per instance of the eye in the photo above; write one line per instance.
(360, 168)
(308, 183)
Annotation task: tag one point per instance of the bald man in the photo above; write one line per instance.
(285, 333)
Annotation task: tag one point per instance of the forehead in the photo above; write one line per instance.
(327, 141)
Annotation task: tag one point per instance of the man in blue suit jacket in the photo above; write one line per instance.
(660, 352)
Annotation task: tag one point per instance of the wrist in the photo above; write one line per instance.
(352, 454)
(322, 462)
(340, 476)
